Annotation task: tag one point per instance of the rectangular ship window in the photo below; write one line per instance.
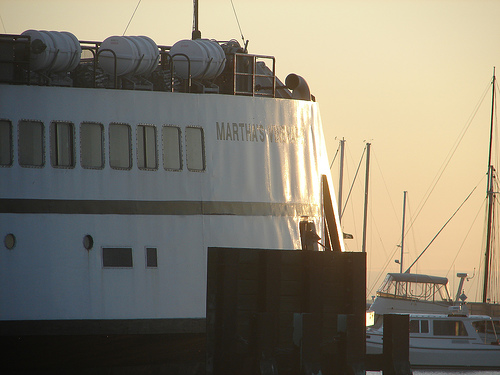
(424, 326)
(119, 146)
(146, 147)
(92, 145)
(172, 148)
(117, 257)
(31, 144)
(414, 326)
(151, 257)
(61, 144)
(449, 328)
(195, 149)
(5, 143)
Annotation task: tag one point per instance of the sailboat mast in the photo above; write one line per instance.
(367, 178)
(403, 234)
(489, 192)
(341, 176)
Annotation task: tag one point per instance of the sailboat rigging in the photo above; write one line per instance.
(488, 302)
(488, 256)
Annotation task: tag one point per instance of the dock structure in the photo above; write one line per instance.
(268, 312)
(285, 312)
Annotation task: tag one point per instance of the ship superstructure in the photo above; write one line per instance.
(122, 162)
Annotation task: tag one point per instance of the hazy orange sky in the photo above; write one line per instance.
(404, 75)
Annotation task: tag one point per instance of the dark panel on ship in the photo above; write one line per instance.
(285, 312)
(14, 58)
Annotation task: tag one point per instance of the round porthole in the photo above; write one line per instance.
(88, 242)
(9, 241)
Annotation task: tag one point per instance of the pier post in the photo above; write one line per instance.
(396, 350)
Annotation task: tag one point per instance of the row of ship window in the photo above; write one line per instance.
(31, 145)
(442, 327)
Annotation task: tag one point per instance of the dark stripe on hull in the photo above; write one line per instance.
(101, 326)
(143, 346)
(133, 207)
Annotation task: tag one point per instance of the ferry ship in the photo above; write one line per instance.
(121, 163)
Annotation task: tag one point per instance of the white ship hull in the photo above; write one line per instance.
(251, 194)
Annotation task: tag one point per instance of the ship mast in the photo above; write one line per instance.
(196, 34)
(490, 195)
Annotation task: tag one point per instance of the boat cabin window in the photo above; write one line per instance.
(61, 144)
(486, 330)
(414, 289)
(92, 145)
(31, 144)
(172, 148)
(449, 328)
(496, 324)
(119, 146)
(5, 143)
(195, 152)
(419, 326)
(414, 326)
(424, 326)
(146, 147)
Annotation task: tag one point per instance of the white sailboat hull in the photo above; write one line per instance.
(460, 356)
(462, 347)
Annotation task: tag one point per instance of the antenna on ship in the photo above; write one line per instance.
(245, 42)
(130, 20)
(196, 34)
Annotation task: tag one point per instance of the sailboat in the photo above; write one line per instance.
(396, 287)
(490, 298)
(446, 332)
(406, 292)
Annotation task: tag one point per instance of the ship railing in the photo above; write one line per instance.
(246, 78)
(93, 48)
(167, 63)
(396, 296)
(249, 75)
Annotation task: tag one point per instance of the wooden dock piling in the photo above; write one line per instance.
(286, 312)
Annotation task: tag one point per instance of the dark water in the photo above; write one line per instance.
(445, 372)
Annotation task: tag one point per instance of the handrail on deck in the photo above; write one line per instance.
(245, 75)
(249, 75)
